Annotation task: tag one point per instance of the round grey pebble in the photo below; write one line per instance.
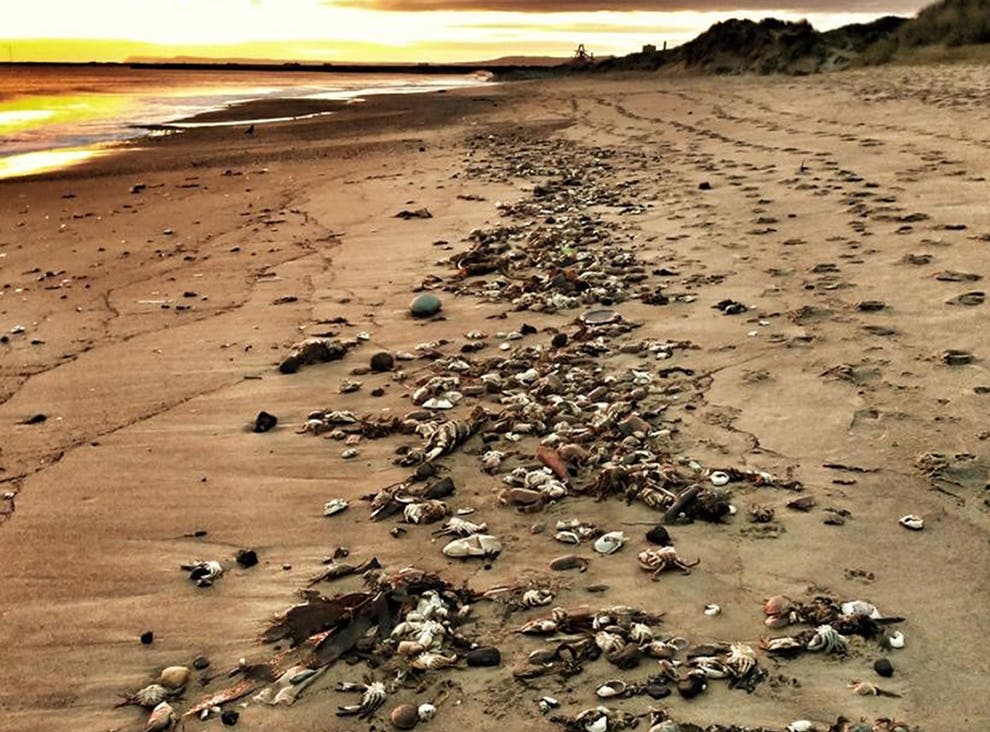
(425, 306)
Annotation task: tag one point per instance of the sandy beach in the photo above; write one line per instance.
(803, 260)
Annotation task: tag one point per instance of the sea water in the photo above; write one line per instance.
(52, 117)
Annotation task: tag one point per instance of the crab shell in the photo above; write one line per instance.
(150, 696)
(425, 512)
(476, 545)
(778, 605)
(536, 598)
(430, 661)
(162, 718)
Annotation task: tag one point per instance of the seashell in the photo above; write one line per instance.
(615, 687)
(567, 537)
(426, 712)
(150, 696)
(860, 607)
(719, 478)
(610, 543)
(476, 545)
(437, 403)
(162, 718)
(203, 573)
(409, 648)
(778, 605)
(640, 633)
(404, 716)
(599, 725)
(601, 316)
(430, 661)
(896, 639)
(174, 677)
(335, 506)
(546, 703)
(569, 561)
(801, 725)
(712, 609)
(912, 521)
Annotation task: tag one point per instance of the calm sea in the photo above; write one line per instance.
(53, 117)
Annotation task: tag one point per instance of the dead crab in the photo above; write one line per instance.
(659, 559)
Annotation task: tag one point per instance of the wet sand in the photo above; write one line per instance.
(151, 340)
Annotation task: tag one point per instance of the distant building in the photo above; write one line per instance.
(649, 48)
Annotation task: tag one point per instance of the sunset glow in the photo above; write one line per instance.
(382, 30)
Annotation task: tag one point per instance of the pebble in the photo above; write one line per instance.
(382, 361)
(884, 668)
(659, 535)
(201, 662)
(265, 422)
(174, 677)
(229, 718)
(425, 306)
(488, 656)
(246, 557)
(147, 638)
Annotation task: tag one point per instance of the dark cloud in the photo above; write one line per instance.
(879, 7)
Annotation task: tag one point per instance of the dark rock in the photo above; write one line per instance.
(704, 186)
(35, 419)
(559, 340)
(884, 667)
(692, 685)
(201, 662)
(425, 306)
(147, 638)
(425, 470)
(247, 558)
(528, 329)
(382, 361)
(441, 489)
(484, 657)
(379, 392)
(871, 306)
(230, 717)
(657, 691)
(419, 213)
(264, 422)
(659, 535)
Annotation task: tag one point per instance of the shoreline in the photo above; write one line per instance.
(254, 242)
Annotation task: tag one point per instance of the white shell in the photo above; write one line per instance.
(426, 712)
(599, 725)
(913, 522)
(718, 478)
(334, 507)
(476, 545)
(896, 639)
(437, 403)
(610, 543)
(801, 725)
(860, 607)
(712, 609)
(567, 537)
(611, 688)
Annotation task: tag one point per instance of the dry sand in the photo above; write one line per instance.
(813, 185)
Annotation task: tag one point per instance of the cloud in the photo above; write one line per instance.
(878, 7)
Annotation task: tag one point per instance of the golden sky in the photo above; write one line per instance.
(384, 30)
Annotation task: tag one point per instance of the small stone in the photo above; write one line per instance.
(484, 657)
(425, 306)
(382, 361)
(174, 677)
(658, 535)
(264, 422)
(230, 717)
(559, 340)
(246, 558)
(884, 668)
(441, 489)
(35, 419)
(147, 638)
(871, 306)
(405, 716)
(201, 662)
(704, 186)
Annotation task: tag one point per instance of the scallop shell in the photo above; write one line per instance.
(335, 506)
(426, 712)
(150, 696)
(610, 543)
